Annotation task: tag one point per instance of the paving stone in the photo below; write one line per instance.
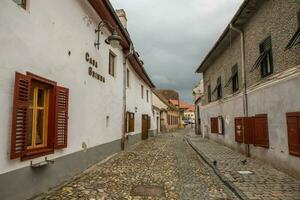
(166, 161)
(266, 182)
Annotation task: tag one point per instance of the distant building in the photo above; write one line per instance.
(169, 117)
(251, 84)
(198, 93)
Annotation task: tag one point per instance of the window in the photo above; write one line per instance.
(293, 126)
(234, 79)
(142, 92)
(21, 3)
(214, 128)
(127, 78)
(147, 95)
(111, 68)
(209, 93)
(298, 16)
(218, 88)
(40, 117)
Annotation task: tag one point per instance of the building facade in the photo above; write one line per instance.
(251, 79)
(63, 91)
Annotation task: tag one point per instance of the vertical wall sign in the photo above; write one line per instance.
(93, 67)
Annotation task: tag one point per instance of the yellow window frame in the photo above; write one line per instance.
(35, 108)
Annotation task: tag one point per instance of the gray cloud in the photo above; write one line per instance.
(173, 37)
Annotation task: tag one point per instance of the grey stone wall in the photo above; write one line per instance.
(277, 18)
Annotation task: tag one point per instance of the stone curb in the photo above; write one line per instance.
(237, 192)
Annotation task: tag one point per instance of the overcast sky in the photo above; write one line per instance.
(173, 36)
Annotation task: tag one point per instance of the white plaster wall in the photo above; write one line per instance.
(38, 41)
(275, 100)
(158, 103)
(134, 100)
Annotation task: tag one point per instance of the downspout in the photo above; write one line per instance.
(125, 58)
(245, 96)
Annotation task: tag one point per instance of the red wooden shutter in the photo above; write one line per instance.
(293, 125)
(261, 133)
(61, 117)
(244, 130)
(214, 125)
(131, 122)
(20, 115)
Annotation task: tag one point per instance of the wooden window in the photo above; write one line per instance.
(142, 92)
(218, 88)
(168, 119)
(21, 3)
(267, 62)
(261, 133)
(40, 115)
(209, 93)
(298, 17)
(128, 78)
(112, 62)
(293, 126)
(214, 128)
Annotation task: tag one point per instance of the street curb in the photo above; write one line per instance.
(238, 193)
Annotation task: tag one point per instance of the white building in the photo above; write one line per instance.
(50, 133)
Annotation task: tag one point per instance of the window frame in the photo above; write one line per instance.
(55, 106)
(235, 78)
(267, 60)
(142, 91)
(219, 88)
(147, 95)
(112, 64)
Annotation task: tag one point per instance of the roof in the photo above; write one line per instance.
(164, 100)
(184, 105)
(191, 109)
(241, 17)
(108, 14)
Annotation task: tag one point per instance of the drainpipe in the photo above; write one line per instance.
(245, 97)
(125, 58)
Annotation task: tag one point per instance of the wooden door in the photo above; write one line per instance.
(145, 127)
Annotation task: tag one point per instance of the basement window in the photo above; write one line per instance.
(21, 3)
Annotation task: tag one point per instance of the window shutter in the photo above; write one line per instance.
(61, 117)
(20, 115)
(261, 133)
(244, 130)
(293, 125)
(214, 125)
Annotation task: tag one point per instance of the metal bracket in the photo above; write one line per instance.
(43, 163)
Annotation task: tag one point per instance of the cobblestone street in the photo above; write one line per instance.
(166, 161)
(167, 167)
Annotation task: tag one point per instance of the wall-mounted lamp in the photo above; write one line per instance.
(113, 40)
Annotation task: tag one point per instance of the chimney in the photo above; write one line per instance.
(122, 16)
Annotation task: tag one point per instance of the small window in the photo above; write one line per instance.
(21, 3)
(298, 16)
(142, 92)
(267, 60)
(235, 78)
(209, 93)
(127, 78)
(219, 88)
(147, 95)
(107, 121)
(112, 62)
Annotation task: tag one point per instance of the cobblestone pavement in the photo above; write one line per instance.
(166, 161)
(265, 182)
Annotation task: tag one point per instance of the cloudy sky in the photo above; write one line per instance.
(173, 36)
